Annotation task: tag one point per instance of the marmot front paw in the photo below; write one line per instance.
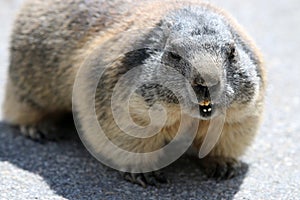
(221, 168)
(151, 178)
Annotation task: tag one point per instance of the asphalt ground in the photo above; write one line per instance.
(65, 170)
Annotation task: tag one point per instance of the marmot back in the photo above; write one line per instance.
(167, 50)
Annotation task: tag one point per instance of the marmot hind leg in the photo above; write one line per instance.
(35, 123)
(51, 128)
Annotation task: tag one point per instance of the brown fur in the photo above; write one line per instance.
(42, 73)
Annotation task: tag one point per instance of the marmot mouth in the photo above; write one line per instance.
(206, 108)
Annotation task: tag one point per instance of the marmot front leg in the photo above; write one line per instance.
(153, 178)
(223, 161)
(134, 155)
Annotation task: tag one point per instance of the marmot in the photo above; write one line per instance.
(53, 40)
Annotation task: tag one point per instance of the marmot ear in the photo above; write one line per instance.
(166, 27)
(169, 24)
(231, 52)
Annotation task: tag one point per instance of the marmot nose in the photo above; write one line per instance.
(207, 88)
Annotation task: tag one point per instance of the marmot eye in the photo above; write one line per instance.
(175, 56)
(231, 51)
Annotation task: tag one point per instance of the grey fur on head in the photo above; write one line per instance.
(201, 46)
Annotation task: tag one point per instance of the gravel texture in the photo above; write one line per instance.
(65, 170)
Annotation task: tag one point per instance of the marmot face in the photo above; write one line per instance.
(200, 46)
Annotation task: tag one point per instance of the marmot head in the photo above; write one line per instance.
(201, 47)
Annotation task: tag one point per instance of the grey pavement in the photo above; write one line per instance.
(65, 170)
